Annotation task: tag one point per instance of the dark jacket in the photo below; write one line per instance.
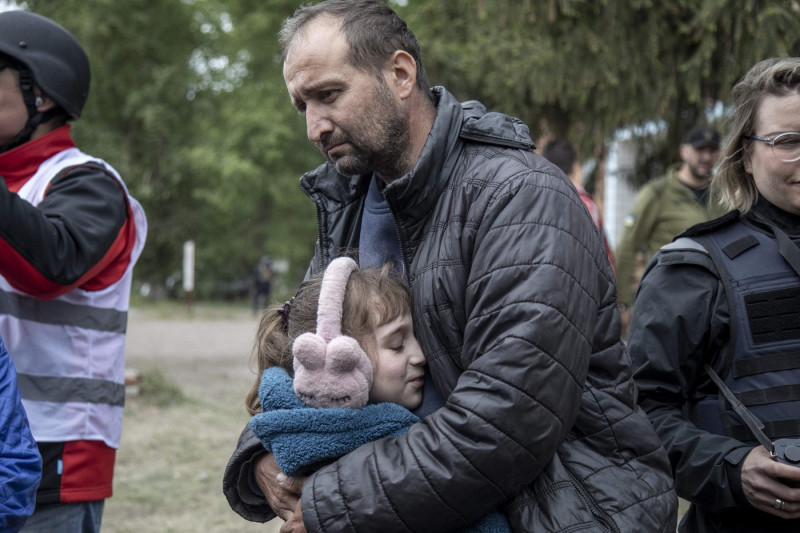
(515, 308)
(680, 323)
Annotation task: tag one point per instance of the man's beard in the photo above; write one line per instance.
(381, 143)
(694, 170)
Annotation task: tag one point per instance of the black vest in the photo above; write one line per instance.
(762, 364)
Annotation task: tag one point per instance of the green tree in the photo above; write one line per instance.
(190, 107)
(138, 117)
(188, 100)
(582, 69)
(259, 150)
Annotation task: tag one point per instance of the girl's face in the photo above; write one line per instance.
(776, 180)
(398, 364)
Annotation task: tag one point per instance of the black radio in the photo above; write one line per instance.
(787, 451)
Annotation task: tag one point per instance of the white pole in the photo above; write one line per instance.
(188, 271)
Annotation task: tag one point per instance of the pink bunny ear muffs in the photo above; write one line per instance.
(331, 369)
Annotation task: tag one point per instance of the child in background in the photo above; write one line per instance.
(322, 395)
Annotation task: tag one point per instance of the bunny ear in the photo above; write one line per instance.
(331, 297)
(309, 351)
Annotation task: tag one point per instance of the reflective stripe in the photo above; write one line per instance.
(62, 313)
(61, 390)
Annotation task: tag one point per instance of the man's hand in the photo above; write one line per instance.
(761, 481)
(282, 492)
(295, 523)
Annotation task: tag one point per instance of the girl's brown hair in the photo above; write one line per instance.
(374, 297)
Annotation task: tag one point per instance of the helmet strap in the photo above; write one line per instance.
(26, 86)
(34, 116)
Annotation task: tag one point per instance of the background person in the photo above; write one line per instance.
(262, 283)
(727, 294)
(20, 462)
(514, 303)
(562, 154)
(664, 208)
(69, 236)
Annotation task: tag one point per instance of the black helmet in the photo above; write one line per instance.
(57, 62)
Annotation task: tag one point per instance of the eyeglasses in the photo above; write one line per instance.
(785, 146)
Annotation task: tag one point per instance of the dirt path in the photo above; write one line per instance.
(209, 355)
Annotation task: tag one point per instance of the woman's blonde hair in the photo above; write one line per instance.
(733, 186)
(374, 297)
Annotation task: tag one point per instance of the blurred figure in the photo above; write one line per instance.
(20, 462)
(719, 310)
(664, 208)
(70, 235)
(262, 283)
(562, 154)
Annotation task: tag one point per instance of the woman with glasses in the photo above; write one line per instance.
(715, 336)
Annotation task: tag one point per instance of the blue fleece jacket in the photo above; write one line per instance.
(303, 438)
(20, 462)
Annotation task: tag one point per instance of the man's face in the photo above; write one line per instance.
(13, 113)
(353, 117)
(700, 161)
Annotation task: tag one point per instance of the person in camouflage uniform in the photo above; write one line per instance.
(664, 208)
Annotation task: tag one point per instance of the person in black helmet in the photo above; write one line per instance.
(70, 234)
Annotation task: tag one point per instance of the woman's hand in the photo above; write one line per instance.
(282, 492)
(762, 485)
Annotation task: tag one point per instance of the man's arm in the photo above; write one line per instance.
(521, 388)
(78, 230)
(239, 482)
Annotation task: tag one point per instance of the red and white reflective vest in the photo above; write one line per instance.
(69, 351)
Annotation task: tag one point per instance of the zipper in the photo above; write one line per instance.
(602, 518)
(322, 249)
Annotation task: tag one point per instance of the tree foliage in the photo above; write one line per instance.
(190, 107)
(188, 100)
(583, 69)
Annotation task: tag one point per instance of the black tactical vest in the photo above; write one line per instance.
(763, 292)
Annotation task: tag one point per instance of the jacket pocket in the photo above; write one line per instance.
(556, 501)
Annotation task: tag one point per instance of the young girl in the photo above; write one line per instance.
(323, 394)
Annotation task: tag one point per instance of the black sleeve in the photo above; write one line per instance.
(238, 483)
(72, 229)
(680, 322)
